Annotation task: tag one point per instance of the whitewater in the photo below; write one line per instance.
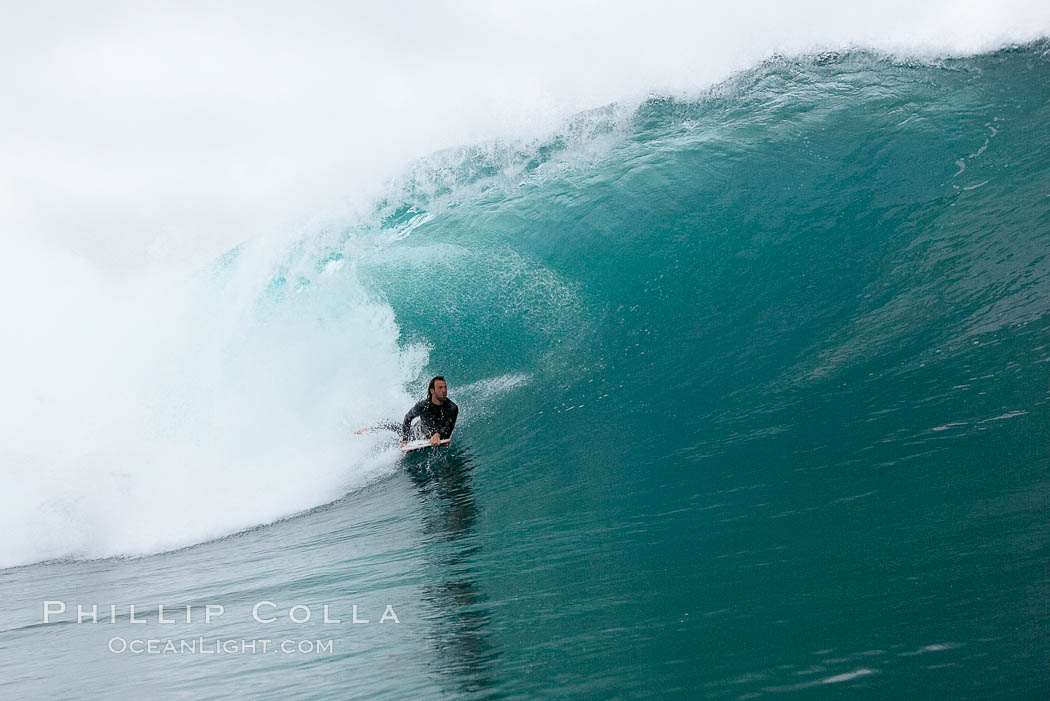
(745, 310)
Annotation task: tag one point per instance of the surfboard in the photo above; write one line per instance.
(422, 443)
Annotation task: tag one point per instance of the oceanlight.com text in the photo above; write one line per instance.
(218, 646)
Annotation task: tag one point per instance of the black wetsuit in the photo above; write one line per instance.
(433, 418)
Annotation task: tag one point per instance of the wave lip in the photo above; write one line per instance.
(146, 154)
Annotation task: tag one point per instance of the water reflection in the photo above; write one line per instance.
(443, 482)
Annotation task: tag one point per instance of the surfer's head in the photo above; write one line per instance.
(438, 390)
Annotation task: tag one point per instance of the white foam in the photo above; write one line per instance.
(848, 676)
(147, 417)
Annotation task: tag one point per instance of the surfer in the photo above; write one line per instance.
(437, 413)
(437, 416)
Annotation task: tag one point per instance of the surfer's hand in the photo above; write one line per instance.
(404, 443)
(435, 439)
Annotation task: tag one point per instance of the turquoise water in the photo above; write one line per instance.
(754, 402)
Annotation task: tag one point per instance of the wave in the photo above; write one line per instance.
(811, 223)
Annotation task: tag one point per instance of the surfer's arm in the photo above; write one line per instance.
(407, 423)
(384, 426)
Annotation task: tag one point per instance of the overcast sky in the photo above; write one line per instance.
(138, 129)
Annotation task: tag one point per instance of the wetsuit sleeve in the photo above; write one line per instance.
(407, 423)
(446, 428)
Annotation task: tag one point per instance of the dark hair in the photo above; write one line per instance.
(430, 387)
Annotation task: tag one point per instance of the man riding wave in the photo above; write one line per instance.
(437, 416)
